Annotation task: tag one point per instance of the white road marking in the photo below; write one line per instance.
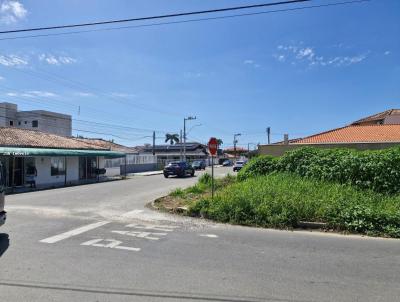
(113, 244)
(209, 235)
(74, 232)
(162, 228)
(132, 213)
(140, 234)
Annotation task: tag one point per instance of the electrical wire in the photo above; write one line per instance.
(186, 21)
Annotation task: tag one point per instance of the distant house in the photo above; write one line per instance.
(45, 121)
(377, 131)
(168, 153)
(57, 160)
(131, 163)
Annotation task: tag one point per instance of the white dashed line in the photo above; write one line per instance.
(209, 235)
(74, 232)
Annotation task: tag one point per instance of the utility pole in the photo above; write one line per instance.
(235, 141)
(189, 118)
(154, 143)
(269, 134)
(180, 140)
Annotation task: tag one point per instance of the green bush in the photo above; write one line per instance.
(177, 193)
(376, 170)
(283, 200)
(205, 179)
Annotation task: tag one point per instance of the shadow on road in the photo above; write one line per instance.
(4, 243)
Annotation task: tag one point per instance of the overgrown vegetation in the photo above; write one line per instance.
(375, 170)
(347, 190)
(282, 200)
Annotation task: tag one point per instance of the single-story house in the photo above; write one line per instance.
(54, 160)
(132, 162)
(378, 131)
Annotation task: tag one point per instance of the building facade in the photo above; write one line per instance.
(45, 121)
(50, 160)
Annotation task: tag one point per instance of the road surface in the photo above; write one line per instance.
(100, 243)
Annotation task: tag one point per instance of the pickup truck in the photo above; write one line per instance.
(3, 213)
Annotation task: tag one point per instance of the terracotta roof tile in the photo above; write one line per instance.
(14, 137)
(355, 134)
(98, 142)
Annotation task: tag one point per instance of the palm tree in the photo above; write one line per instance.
(219, 142)
(172, 138)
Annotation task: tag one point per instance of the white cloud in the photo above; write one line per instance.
(251, 63)
(84, 94)
(12, 60)
(56, 60)
(32, 94)
(310, 57)
(387, 52)
(2, 78)
(12, 11)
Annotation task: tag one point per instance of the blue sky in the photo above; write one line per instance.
(298, 72)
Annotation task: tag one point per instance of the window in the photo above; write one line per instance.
(19, 123)
(26, 122)
(57, 166)
(11, 123)
(35, 124)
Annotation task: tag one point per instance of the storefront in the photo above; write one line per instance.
(51, 167)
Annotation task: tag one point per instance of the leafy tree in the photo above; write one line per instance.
(219, 142)
(172, 138)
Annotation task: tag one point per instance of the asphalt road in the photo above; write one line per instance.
(99, 243)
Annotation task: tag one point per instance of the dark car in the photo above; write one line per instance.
(199, 165)
(178, 168)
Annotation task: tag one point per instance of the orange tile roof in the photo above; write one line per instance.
(108, 145)
(15, 137)
(355, 134)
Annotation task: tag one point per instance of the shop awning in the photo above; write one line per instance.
(18, 151)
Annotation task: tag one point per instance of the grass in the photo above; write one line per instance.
(282, 200)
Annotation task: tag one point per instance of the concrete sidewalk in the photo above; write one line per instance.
(148, 173)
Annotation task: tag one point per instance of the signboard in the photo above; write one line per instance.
(213, 146)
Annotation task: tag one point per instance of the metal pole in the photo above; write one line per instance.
(184, 139)
(181, 151)
(234, 147)
(212, 177)
(269, 135)
(154, 143)
(98, 169)
(125, 168)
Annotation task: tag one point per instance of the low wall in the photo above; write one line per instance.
(278, 150)
(138, 168)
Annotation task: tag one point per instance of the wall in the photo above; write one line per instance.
(44, 177)
(7, 112)
(49, 122)
(278, 150)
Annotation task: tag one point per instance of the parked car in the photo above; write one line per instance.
(238, 165)
(3, 214)
(227, 163)
(199, 165)
(178, 168)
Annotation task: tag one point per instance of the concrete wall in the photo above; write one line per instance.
(138, 168)
(49, 122)
(278, 150)
(44, 177)
(8, 112)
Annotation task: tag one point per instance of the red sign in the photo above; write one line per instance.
(213, 146)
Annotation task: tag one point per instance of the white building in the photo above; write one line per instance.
(45, 121)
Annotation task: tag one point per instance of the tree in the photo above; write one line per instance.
(219, 142)
(172, 138)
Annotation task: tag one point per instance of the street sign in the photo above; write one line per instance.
(213, 146)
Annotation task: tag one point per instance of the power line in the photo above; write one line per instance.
(184, 21)
(153, 17)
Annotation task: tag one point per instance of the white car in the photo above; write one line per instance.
(3, 213)
(238, 165)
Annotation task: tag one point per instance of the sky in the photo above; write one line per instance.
(299, 72)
